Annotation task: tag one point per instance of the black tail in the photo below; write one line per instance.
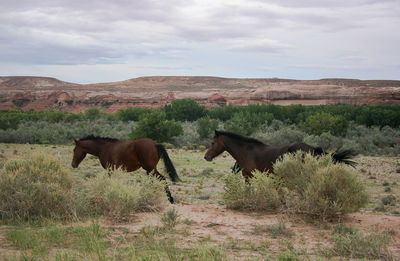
(168, 163)
(343, 156)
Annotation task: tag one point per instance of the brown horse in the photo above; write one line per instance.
(128, 155)
(251, 154)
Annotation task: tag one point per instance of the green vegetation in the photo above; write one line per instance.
(352, 243)
(246, 123)
(301, 184)
(35, 188)
(206, 127)
(261, 193)
(154, 125)
(39, 187)
(184, 110)
(170, 219)
(318, 187)
(365, 129)
(110, 231)
(120, 196)
(325, 122)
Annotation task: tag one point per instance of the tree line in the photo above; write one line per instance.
(164, 123)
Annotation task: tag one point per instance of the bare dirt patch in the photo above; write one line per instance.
(244, 233)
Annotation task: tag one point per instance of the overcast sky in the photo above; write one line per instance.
(111, 40)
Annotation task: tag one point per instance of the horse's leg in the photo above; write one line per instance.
(247, 175)
(162, 178)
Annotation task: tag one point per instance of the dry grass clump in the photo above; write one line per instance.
(120, 195)
(34, 188)
(260, 194)
(301, 183)
(353, 243)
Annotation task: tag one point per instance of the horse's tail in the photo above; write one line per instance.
(168, 163)
(344, 156)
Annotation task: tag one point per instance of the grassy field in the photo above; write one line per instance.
(199, 227)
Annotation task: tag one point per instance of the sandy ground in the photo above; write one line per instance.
(219, 225)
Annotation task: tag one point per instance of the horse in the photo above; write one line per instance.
(251, 154)
(128, 155)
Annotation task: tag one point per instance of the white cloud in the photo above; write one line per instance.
(204, 36)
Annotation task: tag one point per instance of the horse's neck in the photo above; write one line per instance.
(237, 149)
(94, 148)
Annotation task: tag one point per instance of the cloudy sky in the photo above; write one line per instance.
(102, 40)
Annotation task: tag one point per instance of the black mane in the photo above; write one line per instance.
(239, 137)
(91, 137)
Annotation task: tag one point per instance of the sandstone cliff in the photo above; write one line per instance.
(41, 93)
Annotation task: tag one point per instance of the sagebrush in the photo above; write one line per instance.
(120, 195)
(35, 188)
(300, 183)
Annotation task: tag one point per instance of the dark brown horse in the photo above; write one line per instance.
(251, 154)
(128, 155)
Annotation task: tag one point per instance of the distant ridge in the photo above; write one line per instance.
(46, 93)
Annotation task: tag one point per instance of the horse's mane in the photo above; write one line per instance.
(91, 137)
(239, 137)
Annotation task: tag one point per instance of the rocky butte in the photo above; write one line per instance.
(43, 93)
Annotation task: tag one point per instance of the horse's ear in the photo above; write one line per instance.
(217, 133)
(75, 141)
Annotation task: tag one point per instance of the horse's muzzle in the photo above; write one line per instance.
(74, 166)
(208, 158)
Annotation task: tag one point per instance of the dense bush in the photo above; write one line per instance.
(371, 130)
(302, 184)
(131, 114)
(279, 133)
(318, 187)
(206, 127)
(36, 188)
(325, 122)
(42, 132)
(246, 123)
(184, 110)
(155, 126)
(120, 196)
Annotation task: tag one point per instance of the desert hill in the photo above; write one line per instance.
(44, 93)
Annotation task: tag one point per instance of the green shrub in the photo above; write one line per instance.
(39, 132)
(170, 219)
(206, 127)
(246, 123)
(261, 193)
(131, 114)
(154, 125)
(301, 184)
(279, 133)
(318, 187)
(35, 188)
(184, 110)
(120, 195)
(325, 122)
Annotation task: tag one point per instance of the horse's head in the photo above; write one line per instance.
(79, 154)
(216, 148)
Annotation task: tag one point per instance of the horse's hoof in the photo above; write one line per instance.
(171, 200)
